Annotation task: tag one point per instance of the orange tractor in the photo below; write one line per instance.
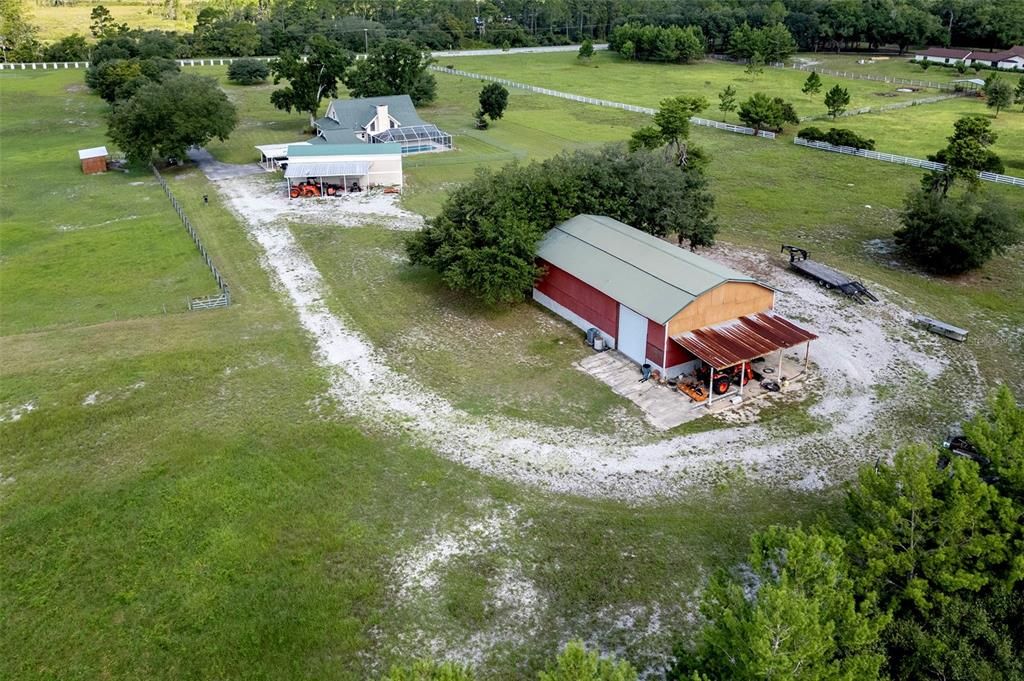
(724, 377)
(304, 189)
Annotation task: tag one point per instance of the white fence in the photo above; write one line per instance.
(602, 102)
(883, 79)
(854, 75)
(887, 107)
(57, 65)
(221, 61)
(903, 160)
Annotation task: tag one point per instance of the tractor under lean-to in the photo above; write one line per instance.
(725, 377)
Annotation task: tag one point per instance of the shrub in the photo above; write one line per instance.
(812, 134)
(248, 71)
(841, 137)
(949, 236)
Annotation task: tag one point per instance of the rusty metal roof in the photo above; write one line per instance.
(743, 339)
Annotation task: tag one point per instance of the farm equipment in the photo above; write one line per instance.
(826, 276)
(958, 445)
(942, 328)
(305, 189)
(696, 392)
(724, 378)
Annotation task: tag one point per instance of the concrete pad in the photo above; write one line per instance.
(663, 407)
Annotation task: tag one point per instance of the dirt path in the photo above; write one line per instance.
(861, 349)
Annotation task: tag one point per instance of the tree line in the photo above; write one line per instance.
(269, 28)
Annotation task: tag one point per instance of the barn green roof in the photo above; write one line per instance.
(643, 272)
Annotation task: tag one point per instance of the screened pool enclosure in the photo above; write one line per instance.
(416, 139)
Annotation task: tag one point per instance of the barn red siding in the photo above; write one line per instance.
(655, 342)
(677, 354)
(580, 297)
(97, 164)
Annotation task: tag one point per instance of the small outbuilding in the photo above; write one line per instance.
(93, 160)
(656, 303)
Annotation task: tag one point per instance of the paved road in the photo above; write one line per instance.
(218, 170)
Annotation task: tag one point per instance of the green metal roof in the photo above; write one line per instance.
(300, 150)
(644, 273)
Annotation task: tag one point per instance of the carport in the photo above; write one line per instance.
(328, 173)
(740, 341)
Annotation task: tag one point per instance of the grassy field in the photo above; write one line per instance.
(881, 65)
(646, 84)
(922, 130)
(55, 22)
(105, 247)
(175, 505)
(180, 499)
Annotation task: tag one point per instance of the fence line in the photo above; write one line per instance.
(221, 61)
(59, 65)
(222, 299)
(886, 107)
(602, 102)
(953, 87)
(903, 160)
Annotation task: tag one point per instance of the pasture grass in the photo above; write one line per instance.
(209, 514)
(183, 501)
(81, 249)
(608, 76)
(921, 130)
(55, 22)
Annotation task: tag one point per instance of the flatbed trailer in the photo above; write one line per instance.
(826, 276)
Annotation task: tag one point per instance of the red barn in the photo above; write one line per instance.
(655, 302)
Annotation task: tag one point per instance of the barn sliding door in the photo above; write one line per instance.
(632, 338)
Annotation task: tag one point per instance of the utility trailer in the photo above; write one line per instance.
(826, 276)
(942, 328)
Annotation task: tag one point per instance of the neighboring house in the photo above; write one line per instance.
(1010, 60)
(368, 121)
(380, 119)
(655, 302)
(944, 55)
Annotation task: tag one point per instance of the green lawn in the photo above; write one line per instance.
(81, 249)
(646, 84)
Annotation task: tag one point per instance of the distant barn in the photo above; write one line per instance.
(93, 160)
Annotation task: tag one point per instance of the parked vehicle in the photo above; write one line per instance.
(725, 377)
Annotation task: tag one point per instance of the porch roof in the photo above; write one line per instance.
(743, 339)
